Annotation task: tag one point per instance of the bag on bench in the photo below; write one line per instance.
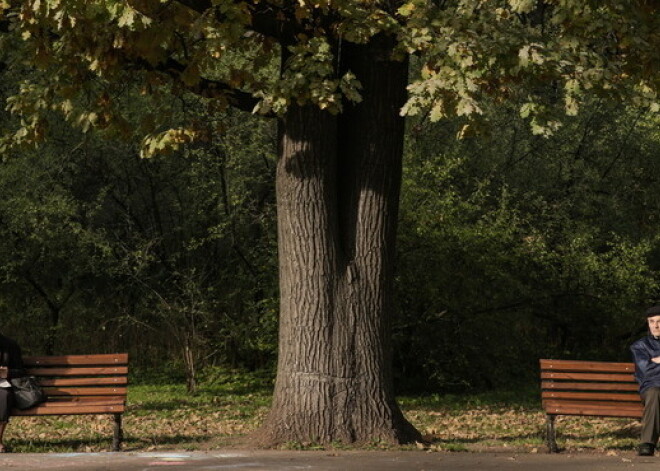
(27, 392)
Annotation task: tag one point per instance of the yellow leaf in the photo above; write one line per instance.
(301, 12)
(127, 18)
(406, 9)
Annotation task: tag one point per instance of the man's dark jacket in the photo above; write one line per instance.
(647, 373)
(10, 355)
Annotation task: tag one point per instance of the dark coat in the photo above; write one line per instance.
(647, 373)
(10, 355)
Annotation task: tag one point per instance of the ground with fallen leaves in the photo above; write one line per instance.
(227, 409)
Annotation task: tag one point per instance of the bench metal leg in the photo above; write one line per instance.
(118, 435)
(551, 437)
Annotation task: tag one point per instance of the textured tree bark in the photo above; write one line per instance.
(338, 181)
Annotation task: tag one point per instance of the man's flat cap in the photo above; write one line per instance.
(653, 311)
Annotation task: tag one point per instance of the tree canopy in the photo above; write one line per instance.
(469, 51)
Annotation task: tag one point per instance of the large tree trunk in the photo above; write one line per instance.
(338, 181)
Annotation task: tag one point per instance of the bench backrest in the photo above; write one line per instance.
(80, 384)
(596, 388)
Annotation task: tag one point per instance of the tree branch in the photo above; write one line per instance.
(623, 146)
(53, 306)
(268, 20)
(205, 87)
(200, 6)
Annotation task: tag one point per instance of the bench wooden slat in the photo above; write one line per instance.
(595, 408)
(593, 403)
(604, 405)
(104, 370)
(88, 399)
(51, 408)
(73, 381)
(52, 392)
(65, 360)
(587, 366)
(559, 385)
(620, 378)
(594, 411)
(590, 396)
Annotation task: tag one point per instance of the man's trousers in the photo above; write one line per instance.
(6, 401)
(651, 417)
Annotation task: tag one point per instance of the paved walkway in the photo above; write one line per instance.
(247, 460)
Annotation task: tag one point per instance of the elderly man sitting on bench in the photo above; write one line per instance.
(646, 355)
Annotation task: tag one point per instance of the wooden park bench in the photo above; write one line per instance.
(589, 388)
(81, 384)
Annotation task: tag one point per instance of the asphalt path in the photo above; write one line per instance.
(261, 460)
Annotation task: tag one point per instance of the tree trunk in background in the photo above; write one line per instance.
(338, 181)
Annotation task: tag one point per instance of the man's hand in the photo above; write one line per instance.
(655, 359)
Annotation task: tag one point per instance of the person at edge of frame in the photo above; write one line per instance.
(11, 366)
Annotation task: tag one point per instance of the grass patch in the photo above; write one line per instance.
(510, 419)
(230, 404)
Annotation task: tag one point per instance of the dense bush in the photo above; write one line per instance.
(514, 247)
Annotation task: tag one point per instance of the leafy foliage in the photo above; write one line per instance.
(515, 248)
(471, 51)
(94, 236)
